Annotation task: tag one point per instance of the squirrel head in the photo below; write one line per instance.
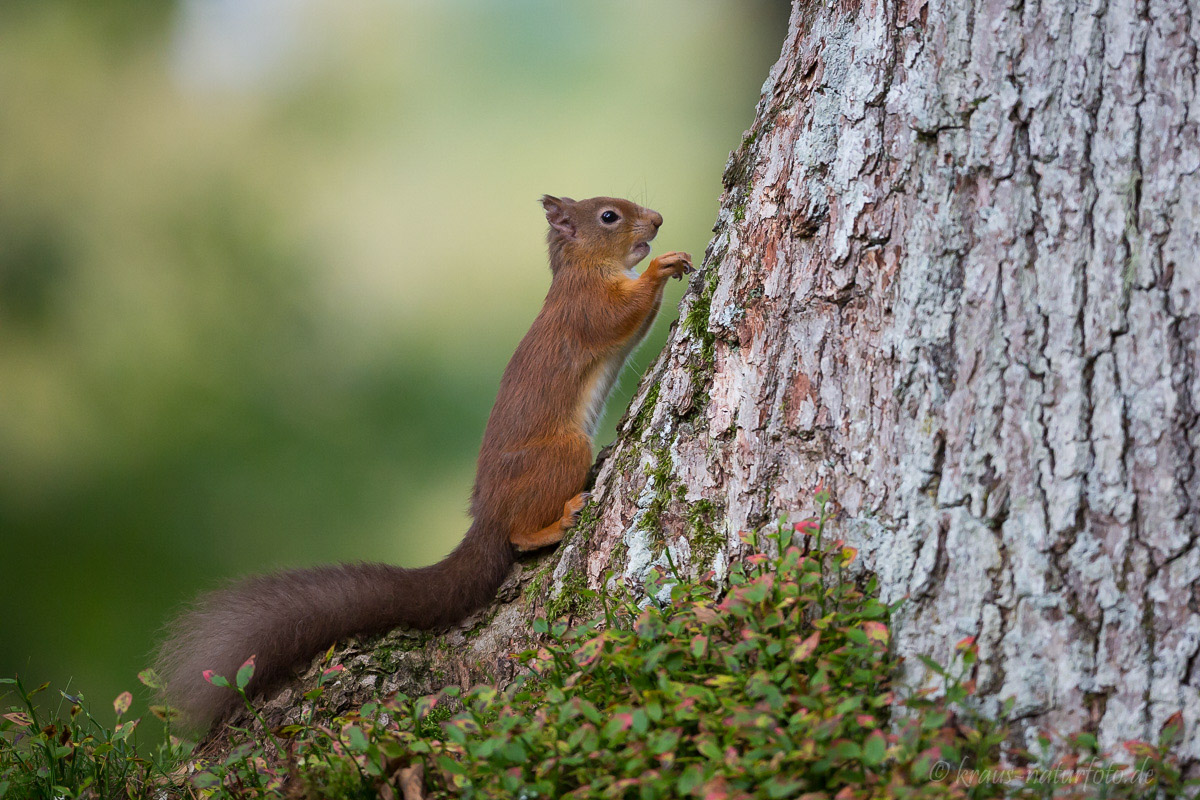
(605, 231)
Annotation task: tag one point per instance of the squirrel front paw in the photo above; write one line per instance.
(672, 265)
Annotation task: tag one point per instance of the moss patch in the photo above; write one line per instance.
(700, 367)
(585, 526)
(572, 598)
(659, 471)
(705, 540)
(642, 421)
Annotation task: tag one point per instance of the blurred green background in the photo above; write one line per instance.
(262, 263)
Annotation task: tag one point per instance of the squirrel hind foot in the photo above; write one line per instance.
(554, 532)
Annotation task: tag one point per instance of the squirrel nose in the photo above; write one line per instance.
(656, 219)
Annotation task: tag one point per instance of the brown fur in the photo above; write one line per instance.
(531, 472)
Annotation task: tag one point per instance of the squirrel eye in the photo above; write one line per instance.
(609, 217)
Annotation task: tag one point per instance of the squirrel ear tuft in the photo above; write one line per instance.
(556, 214)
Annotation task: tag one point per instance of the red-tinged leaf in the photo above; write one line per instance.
(150, 678)
(1172, 727)
(19, 718)
(807, 647)
(806, 528)
(619, 723)
(122, 704)
(589, 651)
(716, 789)
(865, 720)
(965, 644)
(216, 680)
(165, 713)
(876, 632)
(426, 704)
(699, 646)
(748, 537)
(246, 672)
(1137, 747)
(848, 555)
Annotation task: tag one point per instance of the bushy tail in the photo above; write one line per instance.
(287, 617)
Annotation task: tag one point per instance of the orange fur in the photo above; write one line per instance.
(538, 445)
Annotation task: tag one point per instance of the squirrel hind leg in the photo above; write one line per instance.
(554, 532)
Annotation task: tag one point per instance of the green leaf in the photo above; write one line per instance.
(874, 749)
(245, 672)
(122, 731)
(356, 740)
(709, 749)
(691, 779)
(778, 786)
(663, 741)
(514, 752)
(856, 635)
(205, 780)
(933, 666)
(845, 749)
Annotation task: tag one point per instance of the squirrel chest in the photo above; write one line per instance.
(598, 383)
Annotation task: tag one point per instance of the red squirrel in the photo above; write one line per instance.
(534, 461)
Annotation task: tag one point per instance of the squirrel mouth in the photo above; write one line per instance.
(640, 251)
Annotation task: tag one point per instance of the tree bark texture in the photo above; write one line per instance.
(955, 278)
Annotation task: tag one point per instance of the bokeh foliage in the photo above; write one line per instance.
(259, 275)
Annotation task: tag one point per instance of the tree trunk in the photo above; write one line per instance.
(955, 279)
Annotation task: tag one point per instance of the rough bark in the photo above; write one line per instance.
(955, 279)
